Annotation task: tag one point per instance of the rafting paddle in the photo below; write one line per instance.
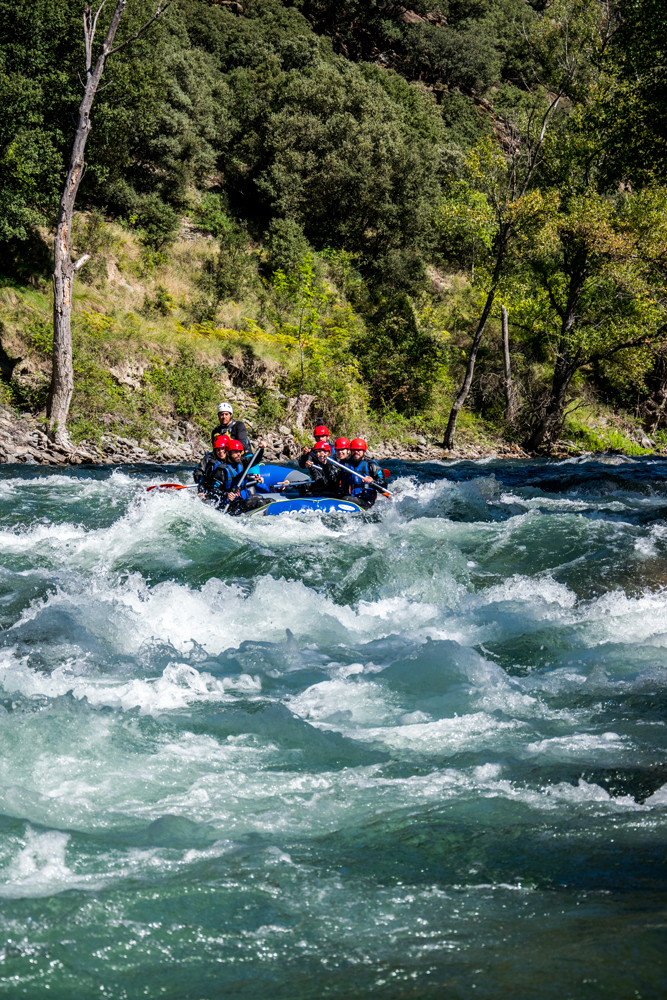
(245, 473)
(169, 486)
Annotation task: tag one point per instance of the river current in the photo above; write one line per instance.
(414, 753)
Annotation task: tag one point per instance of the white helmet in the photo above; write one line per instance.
(225, 408)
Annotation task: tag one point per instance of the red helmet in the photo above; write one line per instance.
(342, 443)
(358, 444)
(222, 441)
(321, 431)
(234, 445)
(321, 446)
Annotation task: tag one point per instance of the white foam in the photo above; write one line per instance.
(599, 748)
(179, 686)
(364, 703)
(658, 799)
(40, 868)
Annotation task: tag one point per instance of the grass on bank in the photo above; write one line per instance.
(146, 358)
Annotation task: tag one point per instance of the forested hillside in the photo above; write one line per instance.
(332, 204)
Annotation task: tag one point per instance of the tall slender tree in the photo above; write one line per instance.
(64, 268)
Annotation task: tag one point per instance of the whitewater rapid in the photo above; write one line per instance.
(415, 752)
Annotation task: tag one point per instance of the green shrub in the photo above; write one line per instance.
(270, 409)
(227, 275)
(41, 336)
(158, 226)
(185, 385)
(211, 215)
(162, 302)
(92, 235)
(286, 245)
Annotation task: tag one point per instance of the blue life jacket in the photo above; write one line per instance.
(235, 470)
(353, 485)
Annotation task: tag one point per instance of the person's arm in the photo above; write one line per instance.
(376, 472)
(247, 459)
(200, 472)
(242, 434)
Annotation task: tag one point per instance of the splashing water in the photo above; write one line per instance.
(414, 753)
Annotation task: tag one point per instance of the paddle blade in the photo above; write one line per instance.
(166, 486)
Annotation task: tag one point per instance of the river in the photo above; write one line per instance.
(414, 753)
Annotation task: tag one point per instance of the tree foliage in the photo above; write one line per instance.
(520, 144)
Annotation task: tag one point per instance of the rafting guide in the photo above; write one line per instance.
(234, 429)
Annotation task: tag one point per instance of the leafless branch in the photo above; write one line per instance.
(158, 13)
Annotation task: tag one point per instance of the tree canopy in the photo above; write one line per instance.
(354, 127)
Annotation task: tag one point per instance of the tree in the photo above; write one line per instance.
(402, 358)
(348, 155)
(65, 269)
(600, 279)
(563, 41)
(309, 319)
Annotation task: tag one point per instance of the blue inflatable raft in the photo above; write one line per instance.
(288, 501)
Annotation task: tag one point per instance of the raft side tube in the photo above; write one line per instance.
(273, 474)
(320, 505)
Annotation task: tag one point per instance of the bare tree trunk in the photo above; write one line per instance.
(450, 433)
(510, 402)
(64, 269)
(470, 371)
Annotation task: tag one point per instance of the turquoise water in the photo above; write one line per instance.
(415, 753)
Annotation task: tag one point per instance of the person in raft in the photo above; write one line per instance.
(362, 489)
(220, 470)
(321, 435)
(325, 478)
(234, 429)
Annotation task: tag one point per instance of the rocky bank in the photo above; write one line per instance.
(23, 439)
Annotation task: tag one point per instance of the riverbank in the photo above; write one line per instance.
(23, 440)
(147, 378)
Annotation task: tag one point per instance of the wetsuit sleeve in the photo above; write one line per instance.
(376, 472)
(308, 457)
(241, 434)
(200, 471)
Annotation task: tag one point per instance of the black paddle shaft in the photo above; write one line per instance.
(243, 477)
